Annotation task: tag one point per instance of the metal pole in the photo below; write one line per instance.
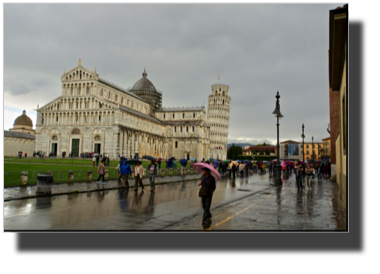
(312, 146)
(278, 166)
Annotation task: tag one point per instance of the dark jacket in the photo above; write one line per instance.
(209, 183)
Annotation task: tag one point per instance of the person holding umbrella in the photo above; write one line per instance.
(298, 168)
(208, 186)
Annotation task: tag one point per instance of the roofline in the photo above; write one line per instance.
(104, 81)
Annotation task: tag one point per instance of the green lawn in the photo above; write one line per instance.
(71, 162)
(12, 172)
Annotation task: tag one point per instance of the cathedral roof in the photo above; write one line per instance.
(16, 134)
(23, 120)
(180, 109)
(144, 84)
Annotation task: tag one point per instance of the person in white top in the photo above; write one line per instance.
(139, 174)
(93, 160)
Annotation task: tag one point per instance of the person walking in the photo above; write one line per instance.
(93, 160)
(270, 167)
(97, 160)
(206, 192)
(298, 168)
(309, 174)
(318, 171)
(118, 168)
(241, 169)
(234, 168)
(125, 170)
(101, 172)
(139, 175)
(153, 173)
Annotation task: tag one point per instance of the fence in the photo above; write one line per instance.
(62, 176)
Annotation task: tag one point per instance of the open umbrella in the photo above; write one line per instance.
(183, 162)
(213, 172)
(174, 164)
(171, 158)
(192, 159)
(226, 161)
(283, 164)
(150, 158)
(238, 161)
(133, 162)
(159, 160)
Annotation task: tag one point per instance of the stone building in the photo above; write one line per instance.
(20, 137)
(94, 115)
(338, 91)
(218, 117)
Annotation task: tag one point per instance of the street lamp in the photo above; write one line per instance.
(278, 115)
(312, 147)
(303, 145)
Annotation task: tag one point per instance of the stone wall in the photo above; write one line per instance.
(13, 145)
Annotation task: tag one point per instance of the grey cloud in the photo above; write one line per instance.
(257, 49)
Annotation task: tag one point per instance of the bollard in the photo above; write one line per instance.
(89, 175)
(162, 172)
(170, 171)
(71, 176)
(24, 177)
(44, 182)
(106, 175)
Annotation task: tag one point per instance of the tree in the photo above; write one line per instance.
(267, 152)
(264, 144)
(234, 152)
(261, 152)
(254, 152)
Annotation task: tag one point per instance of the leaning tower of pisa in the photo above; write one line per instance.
(218, 117)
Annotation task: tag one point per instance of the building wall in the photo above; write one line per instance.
(13, 145)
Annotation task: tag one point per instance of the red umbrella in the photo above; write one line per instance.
(159, 160)
(214, 173)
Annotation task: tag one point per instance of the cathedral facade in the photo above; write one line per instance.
(94, 115)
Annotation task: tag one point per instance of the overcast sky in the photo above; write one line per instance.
(256, 49)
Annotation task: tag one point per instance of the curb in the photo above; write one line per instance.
(87, 191)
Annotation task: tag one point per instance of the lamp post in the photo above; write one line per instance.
(312, 147)
(303, 145)
(278, 115)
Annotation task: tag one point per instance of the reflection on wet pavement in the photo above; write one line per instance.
(177, 206)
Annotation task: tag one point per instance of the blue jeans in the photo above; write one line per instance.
(151, 180)
(319, 176)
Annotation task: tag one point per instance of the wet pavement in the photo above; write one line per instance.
(11, 193)
(248, 203)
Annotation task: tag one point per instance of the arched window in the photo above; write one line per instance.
(193, 115)
(78, 91)
(164, 116)
(97, 138)
(175, 129)
(88, 90)
(223, 102)
(176, 144)
(54, 138)
(173, 115)
(187, 129)
(193, 129)
(75, 131)
(71, 91)
(223, 93)
(181, 129)
(183, 115)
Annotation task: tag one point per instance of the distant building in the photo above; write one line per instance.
(249, 150)
(325, 155)
(297, 150)
(20, 137)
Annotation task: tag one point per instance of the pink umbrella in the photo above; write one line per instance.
(283, 164)
(214, 173)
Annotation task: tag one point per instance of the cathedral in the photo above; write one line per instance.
(94, 115)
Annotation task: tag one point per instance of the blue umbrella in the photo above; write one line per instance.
(174, 164)
(171, 158)
(183, 162)
(238, 161)
(192, 159)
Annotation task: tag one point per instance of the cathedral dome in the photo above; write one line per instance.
(144, 84)
(23, 121)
